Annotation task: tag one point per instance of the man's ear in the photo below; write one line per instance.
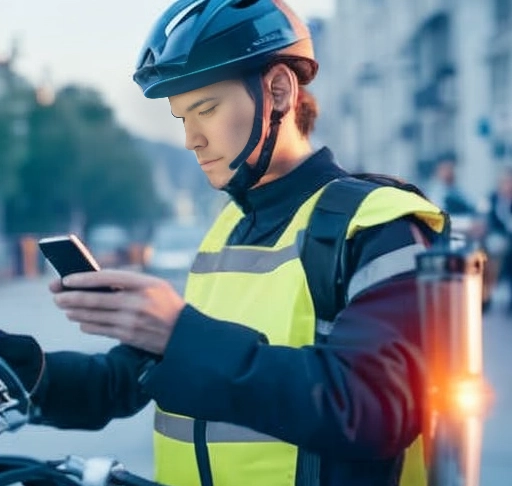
(283, 87)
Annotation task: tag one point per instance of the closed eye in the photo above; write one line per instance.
(208, 111)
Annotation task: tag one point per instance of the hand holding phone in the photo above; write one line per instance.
(68, 254)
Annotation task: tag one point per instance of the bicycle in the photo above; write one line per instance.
(15, 411)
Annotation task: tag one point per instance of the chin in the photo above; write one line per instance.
(218, 182)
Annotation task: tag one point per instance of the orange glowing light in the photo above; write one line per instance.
(470, 396)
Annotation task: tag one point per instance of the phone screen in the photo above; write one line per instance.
(67, 254)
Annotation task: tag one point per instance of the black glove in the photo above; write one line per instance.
(25, 357)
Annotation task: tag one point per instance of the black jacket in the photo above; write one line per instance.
(355, 399)
(499, 214)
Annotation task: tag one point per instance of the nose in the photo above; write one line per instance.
(194, 139)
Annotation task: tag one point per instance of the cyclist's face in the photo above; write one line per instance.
(218, 120)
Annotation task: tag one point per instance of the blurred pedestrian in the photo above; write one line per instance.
(467, 222)
(444, 191)
(499, 239)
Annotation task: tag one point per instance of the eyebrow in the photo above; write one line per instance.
(198, 103)
(195, 105)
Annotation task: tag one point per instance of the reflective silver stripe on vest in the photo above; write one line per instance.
(182, 429)
(384, 267)
(232, 259)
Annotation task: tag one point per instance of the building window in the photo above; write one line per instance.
(500, 79)
(502, 13)
(433, 49)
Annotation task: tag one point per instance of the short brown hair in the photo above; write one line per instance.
(307, 112)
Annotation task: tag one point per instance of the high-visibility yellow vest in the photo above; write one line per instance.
(264, 288)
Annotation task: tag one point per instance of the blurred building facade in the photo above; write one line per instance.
(408, 81)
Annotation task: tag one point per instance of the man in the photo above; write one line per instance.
(466, 220)
(251, 386)
(499, 239)
(444, 190)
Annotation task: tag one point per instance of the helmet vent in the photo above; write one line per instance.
(148, 59)
(244, 3)
(191, 9)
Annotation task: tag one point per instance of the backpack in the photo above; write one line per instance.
(324, 253)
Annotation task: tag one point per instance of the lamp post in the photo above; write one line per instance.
(457, 397)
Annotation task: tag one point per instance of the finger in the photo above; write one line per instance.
(99, 330)
(122, 279)
(107, 324)
(56, 286)
(88, 299)
(104, 319)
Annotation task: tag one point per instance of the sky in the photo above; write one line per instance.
(96, 43)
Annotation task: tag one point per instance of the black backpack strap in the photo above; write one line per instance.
(324, 250)
(322, 254)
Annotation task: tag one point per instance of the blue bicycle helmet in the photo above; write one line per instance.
(199, 42)
(196, 43)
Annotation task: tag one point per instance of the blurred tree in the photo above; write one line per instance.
(42, 203)
(16, 96)
(8, 159)
(82, 168)
(116, 184)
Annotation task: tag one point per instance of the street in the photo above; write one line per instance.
(497, 447)
(26, 307)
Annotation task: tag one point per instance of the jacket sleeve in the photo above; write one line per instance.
(84, 391)
(355, 396)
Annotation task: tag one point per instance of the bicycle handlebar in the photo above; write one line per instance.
(70, 471)
(15, 410)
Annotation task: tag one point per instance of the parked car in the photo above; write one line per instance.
(110, 245)
(171, 250)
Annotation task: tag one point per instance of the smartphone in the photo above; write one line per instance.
(68, 254)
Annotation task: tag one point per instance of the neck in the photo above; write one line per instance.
(291, 150)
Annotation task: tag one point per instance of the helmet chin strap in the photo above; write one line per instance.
(246, 176)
